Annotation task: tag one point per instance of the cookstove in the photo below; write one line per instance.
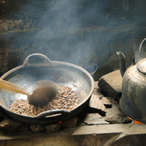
(84, 33)
(94, 126)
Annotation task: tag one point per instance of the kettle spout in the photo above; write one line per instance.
(122, 62)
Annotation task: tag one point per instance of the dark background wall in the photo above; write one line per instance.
(82, 32)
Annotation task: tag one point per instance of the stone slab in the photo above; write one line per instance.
(95, 105)
(94, 119)
(111, 84)
(107, 103)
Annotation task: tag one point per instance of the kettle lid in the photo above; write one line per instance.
(141, 66)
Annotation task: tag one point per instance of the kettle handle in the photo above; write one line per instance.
(141, 45)
(140, 48)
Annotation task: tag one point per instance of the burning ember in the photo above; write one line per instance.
(135, 122)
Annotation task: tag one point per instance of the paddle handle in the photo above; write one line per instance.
(13, 87)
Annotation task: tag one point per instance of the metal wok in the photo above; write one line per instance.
(38, 67)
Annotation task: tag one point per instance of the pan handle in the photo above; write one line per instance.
(37, 59)
(51, 112)
(91, 69)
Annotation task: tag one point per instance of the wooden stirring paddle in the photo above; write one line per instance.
(43, 93)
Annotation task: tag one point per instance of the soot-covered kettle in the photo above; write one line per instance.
(133, 100)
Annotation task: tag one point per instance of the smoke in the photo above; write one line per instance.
(54, 28)
(62, 29)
